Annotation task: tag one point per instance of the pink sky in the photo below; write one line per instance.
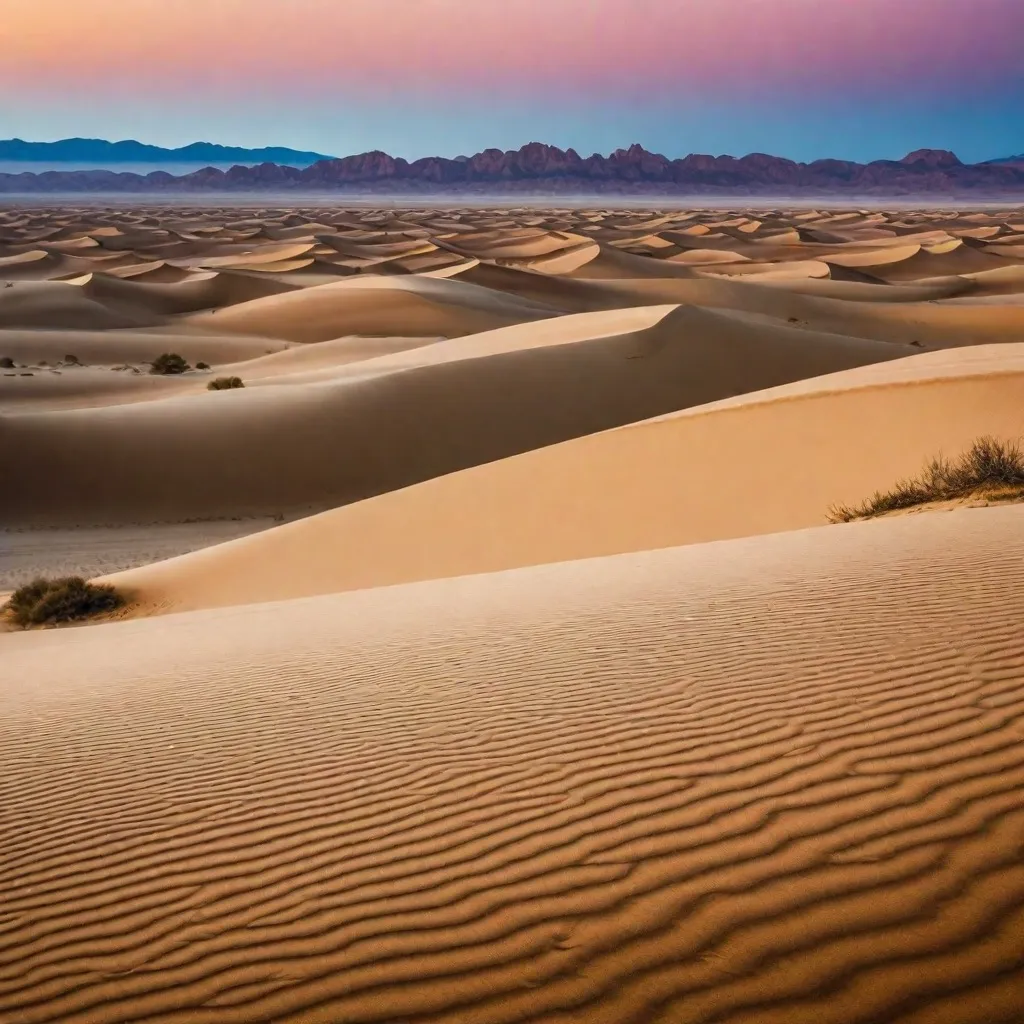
(581, 45)
(573, 53)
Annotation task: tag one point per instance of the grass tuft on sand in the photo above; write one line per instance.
(169, 363)
(990, 469)
(225, 384)
(49, 602)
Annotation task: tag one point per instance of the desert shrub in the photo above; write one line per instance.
(202, 366)
(6, 363)
(168, 363)
(225, 383)
(67, 599)
(989, 466)
(72, 360)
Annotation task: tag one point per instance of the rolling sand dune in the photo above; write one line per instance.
(387, 306)
(54, 304)
(924, 323)
(769, 461)
(488, 655)
(260, 451)
(767, 781)
(324, 356)
(573, 296)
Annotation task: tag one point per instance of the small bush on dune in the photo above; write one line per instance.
(225, 384)
(6, 363)
(72, 361)
(67, 599)
(988, 468)
(202, 366)
(169, 363)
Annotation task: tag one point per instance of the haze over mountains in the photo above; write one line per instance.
(535, 167)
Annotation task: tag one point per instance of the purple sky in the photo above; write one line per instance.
(857, 79)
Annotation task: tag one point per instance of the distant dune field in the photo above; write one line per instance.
(487, 651)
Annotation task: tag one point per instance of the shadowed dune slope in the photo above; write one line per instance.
(201, 292)
(267, 450)
(770, 461)
(59, 305)
(775, 781)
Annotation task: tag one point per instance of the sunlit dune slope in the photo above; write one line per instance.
(771, 781)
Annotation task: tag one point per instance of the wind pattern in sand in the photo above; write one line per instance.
(488, 656)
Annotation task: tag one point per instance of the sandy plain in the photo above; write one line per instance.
(489, 655)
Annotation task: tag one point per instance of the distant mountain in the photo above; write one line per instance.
(1016, 160)
(545, 169)
(102, 154)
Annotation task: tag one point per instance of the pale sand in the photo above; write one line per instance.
(775, 780)
(404, 305)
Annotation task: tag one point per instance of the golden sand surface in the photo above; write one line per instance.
(489, 655)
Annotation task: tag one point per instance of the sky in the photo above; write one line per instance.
(848, 79)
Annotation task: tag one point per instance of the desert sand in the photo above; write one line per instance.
(489, 656)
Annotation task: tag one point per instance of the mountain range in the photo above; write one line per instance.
(541, 168)
(1019, 160)
(104, 154)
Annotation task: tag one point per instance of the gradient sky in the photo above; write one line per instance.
(852, 79)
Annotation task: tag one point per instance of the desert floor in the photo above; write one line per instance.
(490, 655)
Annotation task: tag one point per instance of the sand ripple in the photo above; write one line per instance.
(778, 787)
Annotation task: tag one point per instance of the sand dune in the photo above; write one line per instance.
(260, 451)
(325, 356)
(377, 305)
(487, 656)
(199, 292)
(132, 346)
(769, 461)
(52, 304)
(771, 780)
(926, 324)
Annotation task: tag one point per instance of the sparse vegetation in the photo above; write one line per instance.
(66, 599)
(225, 383)
(202, 366)
(72, 361)
(169, 363)
(989, 469)
(6, 363)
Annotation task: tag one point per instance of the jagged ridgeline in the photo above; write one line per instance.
(539, 167)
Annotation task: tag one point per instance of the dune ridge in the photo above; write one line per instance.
(740, 466)
(258, 452)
